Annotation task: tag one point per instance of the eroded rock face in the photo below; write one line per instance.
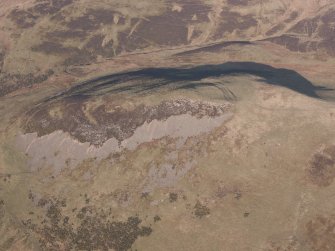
(119, 123)
(64, 138)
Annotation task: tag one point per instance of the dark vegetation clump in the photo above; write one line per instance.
(157, 218)
(173, 197)
(201, 210)
(12, 82)
(322, 169)
(88, 230)
(27, 18)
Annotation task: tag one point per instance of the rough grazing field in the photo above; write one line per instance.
(167, 125)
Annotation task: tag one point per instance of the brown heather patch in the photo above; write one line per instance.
(320, 233)
(72, 55)
(94, 18)
(239, 2)
(275, 29)
(319, 28)
(173, 197)
(59, 35)
(290, 245)
(171, 27)
(27, 18)
(53, 48)
(44, 7)
(201, 210)
(10, 83)
(89, 229)
(233, 21)
(2, 59)
(321, 170)
(164, 30)
(23, 19)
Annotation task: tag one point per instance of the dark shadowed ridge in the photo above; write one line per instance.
(151, 79)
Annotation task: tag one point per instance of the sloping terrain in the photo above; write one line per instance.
(167, 125)
(46, 37)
